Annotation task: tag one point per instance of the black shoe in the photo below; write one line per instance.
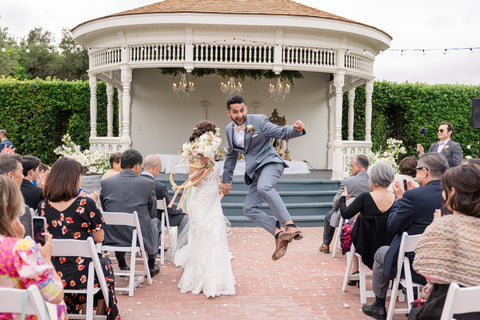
(154, 271)
(372, 310)
(124, 267)
(354, 282)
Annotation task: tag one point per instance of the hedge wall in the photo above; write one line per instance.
(401, 109)
(37, 113)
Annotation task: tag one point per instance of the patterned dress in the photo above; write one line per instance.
(22, 265)
(78, 221)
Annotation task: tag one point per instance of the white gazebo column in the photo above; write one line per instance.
(126, 139)
(351, 101)
(92, 82)
(337, 159)
(368, 110)
(331, 126)
(109, 110)
(120, 111)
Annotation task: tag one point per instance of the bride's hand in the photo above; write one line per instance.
(204, 161)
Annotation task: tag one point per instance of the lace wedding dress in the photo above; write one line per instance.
(205, 258)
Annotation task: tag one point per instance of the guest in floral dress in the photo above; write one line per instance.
(70, 216)
(22, 262)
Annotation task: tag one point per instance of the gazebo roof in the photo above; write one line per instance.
(261, 7)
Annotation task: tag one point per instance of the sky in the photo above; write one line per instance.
(431, 25)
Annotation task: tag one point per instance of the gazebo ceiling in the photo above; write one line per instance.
(251, 7)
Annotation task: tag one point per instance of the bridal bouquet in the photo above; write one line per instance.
(204, 146)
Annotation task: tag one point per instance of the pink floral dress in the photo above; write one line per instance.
(22, 265)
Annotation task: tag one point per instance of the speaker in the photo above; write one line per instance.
(476, 113)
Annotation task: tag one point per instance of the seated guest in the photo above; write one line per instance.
(5, 143)
(23, 262)
(448, 251)
(115, 167)
(11, 166)
(32, 194)
(406, 177)
(370, 230)
(129, 192)
(70, 216)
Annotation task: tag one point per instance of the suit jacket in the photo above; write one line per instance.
(257, 148)
(452, 151)
(356, 185)
(5, 143)
(128, 192)
(161, 192)
(32, 194)
(412, 213)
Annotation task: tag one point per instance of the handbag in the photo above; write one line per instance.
(346, 236)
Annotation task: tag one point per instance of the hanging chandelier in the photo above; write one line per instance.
(231, 87)
(280, 90)
(182, 88)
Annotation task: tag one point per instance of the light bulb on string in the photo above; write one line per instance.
(423, 51)
(445, 51)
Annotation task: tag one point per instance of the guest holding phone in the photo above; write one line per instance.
(23, 262)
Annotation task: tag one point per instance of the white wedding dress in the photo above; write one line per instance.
(205, 258)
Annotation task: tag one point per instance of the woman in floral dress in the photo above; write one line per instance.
(70, 216)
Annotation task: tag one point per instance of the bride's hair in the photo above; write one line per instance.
(202, 127)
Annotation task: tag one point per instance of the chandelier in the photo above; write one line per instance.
(280, 90)
(182, 88)
(231, 87)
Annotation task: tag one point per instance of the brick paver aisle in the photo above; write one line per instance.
(305, 284)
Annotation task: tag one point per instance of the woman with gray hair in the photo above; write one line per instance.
(370, 230)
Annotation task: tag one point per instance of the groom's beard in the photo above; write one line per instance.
(239, 121)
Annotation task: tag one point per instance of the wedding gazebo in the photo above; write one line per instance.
(131, 50)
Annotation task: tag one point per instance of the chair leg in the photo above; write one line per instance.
(336, 237)
(362, 280)
(393, 299)
(90, 284)
(346, 277)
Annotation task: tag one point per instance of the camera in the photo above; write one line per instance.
(422, 131)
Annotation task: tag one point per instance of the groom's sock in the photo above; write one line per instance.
(291, 225)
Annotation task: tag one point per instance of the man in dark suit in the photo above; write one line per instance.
(176, 216)
(356, 185)
(451, 150)
(5, 142)
(128, 192)
(32, 194)
(413, 212)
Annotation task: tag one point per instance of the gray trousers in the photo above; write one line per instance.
(328, 230)
(263, 189)
(379, 280)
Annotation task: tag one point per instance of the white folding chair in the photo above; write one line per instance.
(128, 219)
(361, 276)
(11, 301)
(460, 300)
(336, 237)
(85, 249)
(408, 244)
(165, 226)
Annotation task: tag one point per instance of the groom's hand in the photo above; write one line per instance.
(299, 126)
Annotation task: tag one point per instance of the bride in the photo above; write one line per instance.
(205, 258)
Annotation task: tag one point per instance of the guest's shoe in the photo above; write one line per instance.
(373, 311)
(324, 248)
(294, 230)
(354, 282)
(155, 270)
(280, 248)
(124, 267)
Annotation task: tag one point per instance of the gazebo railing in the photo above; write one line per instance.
(309, 56)
(106, 57)
(358, 62)
(166, 52)
(236, 53)
(352, 148)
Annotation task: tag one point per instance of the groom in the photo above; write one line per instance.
(250, 135)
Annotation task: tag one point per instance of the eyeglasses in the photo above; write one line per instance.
(421, 168)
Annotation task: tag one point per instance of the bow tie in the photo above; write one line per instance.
(441, 143)
(239, 128)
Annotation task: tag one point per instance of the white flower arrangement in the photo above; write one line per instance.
(204, 146)
(96, 162)
(390, 155)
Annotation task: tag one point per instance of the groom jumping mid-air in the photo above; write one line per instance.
(250, 135)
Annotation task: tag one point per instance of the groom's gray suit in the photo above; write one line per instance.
(263, 168)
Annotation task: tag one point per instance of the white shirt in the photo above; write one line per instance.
(441, 146)
(239, 137)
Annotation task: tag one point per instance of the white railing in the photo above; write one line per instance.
(168, 52)
(107, 145)
(106, 57)
(358, 62)
(233, 53)
(309, 56)
(351, 149)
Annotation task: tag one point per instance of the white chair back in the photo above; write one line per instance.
(11, 301)
(85, 249)
(166, 230)
(461, 300)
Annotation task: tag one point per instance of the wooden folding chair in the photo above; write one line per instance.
(85, 249)
(460, 300)
(12, 300)
(165, 226)
(408, 244)
(128, 219)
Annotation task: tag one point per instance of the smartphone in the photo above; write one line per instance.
(39, 226)
(405, 185)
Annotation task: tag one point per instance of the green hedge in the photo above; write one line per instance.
(37, 113)
(401, 109)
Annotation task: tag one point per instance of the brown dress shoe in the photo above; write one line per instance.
(324, 248)
(296, 231)
(280, 248)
